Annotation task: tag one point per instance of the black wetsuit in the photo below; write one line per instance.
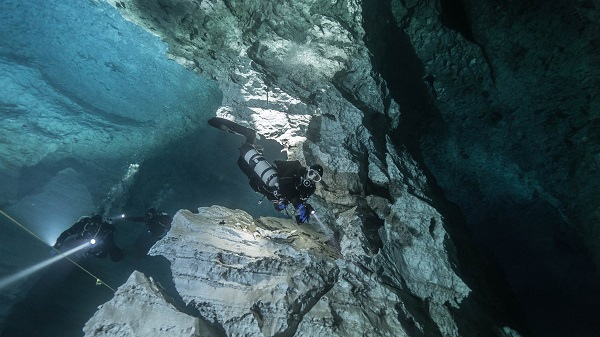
(158, 224)
(293, 187)
(88, 228)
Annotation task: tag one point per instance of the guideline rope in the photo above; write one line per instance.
(98, 280)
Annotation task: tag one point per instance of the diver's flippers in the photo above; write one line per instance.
(232, 127)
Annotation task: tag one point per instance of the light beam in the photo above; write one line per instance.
(29, 271)
(325, 229)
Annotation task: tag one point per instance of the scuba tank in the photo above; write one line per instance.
(259, 167)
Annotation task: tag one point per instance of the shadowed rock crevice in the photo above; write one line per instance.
(302, 306)
(412, 311)
(454, 16)
(483, 273)
(394, 57)
(381, 191)
(371, 223)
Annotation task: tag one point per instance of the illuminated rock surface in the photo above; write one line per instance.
(268, 277)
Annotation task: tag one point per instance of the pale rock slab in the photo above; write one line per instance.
(272, 277)
(139, 308)
(250, 280)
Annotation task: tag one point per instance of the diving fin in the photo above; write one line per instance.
(233, 127)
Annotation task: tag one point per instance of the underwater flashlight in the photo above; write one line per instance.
(93, 241)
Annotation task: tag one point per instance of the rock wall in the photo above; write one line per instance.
(506, 120)
(270, 277)
(515, 116)
(311, 84)
(155, 314)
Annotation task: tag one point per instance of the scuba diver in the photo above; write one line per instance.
(98, 232)
(158, 222)
(289, 182)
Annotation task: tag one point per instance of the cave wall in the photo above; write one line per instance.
(507, 124)
(311, 84)
(555, 109)
(394, 99)
(519, 110)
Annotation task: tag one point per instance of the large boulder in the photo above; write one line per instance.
(269, 277)
(155, 315)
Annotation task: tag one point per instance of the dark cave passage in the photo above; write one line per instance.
(550, 275)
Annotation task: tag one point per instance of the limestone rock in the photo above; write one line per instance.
(139, 308)
(312, 84)
(249, 278)
(269, 276)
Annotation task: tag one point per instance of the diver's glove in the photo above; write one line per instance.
(280, 206)
(304, 212)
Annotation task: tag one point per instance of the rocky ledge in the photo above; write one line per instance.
(271, 277)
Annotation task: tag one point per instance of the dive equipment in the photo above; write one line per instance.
(263, 170)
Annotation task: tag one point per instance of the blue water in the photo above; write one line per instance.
(89, 52)
(75, 72)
